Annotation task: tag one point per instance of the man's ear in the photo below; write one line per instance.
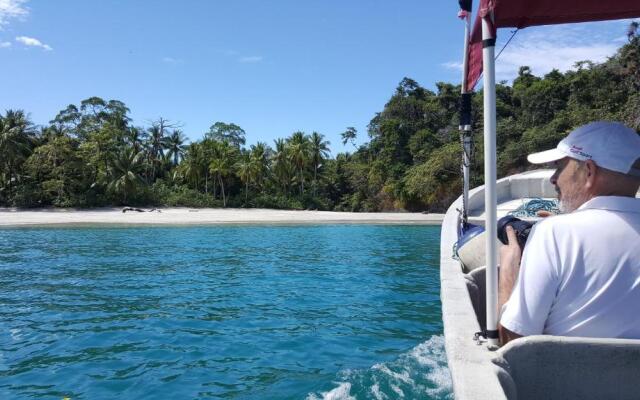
(591, 170)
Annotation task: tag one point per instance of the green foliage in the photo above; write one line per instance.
(277, 201)
(434, 184)
(55, 172)
(17, 139)
(90, 155)
(181, 196)
(349, 135)
(125, 173)
(231, 133)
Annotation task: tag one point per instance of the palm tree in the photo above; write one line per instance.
(245, 171)
(319, 153)
(221, 164)
(349, 136)
(299, 153)
(154, 147)
(259, 162)
(209, 150)
(135, 137)
(157, 143)
(282, 167)
(124, 172)
(175, 145)
(16, 136)
(190, 168)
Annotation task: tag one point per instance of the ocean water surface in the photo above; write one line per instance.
(247, 312)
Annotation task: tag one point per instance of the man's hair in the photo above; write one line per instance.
(617, 182)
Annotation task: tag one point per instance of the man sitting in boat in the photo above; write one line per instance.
(579, 274)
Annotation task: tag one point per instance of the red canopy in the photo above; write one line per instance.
(523, 13)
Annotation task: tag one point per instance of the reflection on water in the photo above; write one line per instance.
(246, 312)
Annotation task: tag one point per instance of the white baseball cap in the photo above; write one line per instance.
(610, 145)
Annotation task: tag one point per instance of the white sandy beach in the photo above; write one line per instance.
(189, 216)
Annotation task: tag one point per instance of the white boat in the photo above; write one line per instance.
(533, 367)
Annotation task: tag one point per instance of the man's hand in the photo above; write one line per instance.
(509, 268)
(509, 264)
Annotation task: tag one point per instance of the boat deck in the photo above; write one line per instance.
(533, 367)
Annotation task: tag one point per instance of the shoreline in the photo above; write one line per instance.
(178, 216)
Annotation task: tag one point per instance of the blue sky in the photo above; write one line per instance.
(272, 67)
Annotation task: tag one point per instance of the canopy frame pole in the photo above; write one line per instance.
(490, 177)
(465, 126)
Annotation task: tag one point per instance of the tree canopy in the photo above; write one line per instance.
(91, 154)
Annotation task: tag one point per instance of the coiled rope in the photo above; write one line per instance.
(531, 208)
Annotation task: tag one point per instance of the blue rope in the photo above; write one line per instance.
(531, 208)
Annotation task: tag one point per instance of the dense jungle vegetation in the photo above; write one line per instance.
(90, 154)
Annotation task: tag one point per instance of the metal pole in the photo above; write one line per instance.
(465, 55)
(466, 162)
(465, 124)
(490, 200)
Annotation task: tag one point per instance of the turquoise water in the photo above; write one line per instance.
(249, 312)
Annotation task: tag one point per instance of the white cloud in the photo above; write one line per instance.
(554, 47)
(250, 59)
(240, 58)
(456, 66)
(171, 60)
(12, 9)
(621, 39)
(33, 42)
(544, 56)
(4, 45)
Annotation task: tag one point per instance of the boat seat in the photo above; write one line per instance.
(476, 286)
(560, 367)
(531, 185)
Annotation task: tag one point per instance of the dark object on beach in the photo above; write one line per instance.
(132, 209)
(139, 209)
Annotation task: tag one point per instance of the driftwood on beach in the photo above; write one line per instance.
(124, 210)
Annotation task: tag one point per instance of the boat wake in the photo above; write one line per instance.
(421, 372)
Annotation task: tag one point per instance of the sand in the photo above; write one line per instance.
(204, 216)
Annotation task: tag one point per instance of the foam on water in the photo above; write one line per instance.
(419, 373)
(339, 393)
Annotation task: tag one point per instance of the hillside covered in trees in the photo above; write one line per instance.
(91, 155)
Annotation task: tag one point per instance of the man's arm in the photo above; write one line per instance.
(510, 256)
(527, 288)
(506, 335)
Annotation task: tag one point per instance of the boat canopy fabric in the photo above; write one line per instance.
(524, 13)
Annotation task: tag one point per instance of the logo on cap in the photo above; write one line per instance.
(578, 150)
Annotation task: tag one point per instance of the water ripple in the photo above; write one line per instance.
(234, 312)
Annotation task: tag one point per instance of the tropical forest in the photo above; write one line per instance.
(91, 154)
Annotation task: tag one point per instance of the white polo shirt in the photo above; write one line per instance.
(580, 274)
